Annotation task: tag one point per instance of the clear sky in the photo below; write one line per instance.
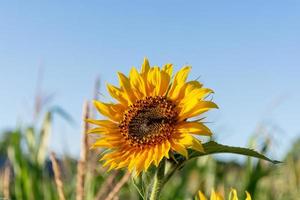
(247, 51)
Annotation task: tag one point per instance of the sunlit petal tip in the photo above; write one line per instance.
(155, 154)
(218, 196)
(146, 61)
(91, 121)
(168, 68)
(106, 163)
(94, 130)
(201, 196)
(197, 128)
(95, 102)
(195, 108)
(167, 149)
(147, 165)
(122, 78)
(216, 106)
(196, 144)
(179, 148)
(233, 194)
(145, 66)
(248, 196)
(111, 167)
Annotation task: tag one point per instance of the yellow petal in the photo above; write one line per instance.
(118, 94)
(126, 87)
(201, 196)
(155, 155)
(166, 148)
(97, 130)
(112, 166)
(108, 162)
(134, 157)
(164, 83)
(125, 159)
(123, 163)
(109, 142)
(111, 138)
(160, 153)
(101, 143)
(198, 94)
(215, 196)
(192, 142)
(178, 83)
(179, 148)
(195, 108)
(233, 194)
(145, 66)
(144, 73)
(149, 158)
(196, 144)
(193, 128)
(137, 83)
(113, 111)
(248, 196)
(168, 68)
(111, 155)
(177, 94)
(154, 81)
(103, 123)
(191, 85)
(140, 161)
(182, 75)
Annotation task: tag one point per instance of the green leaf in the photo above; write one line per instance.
(43, 140)
(213, 148)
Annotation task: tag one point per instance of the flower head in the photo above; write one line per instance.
(217, 196)
(151, 117)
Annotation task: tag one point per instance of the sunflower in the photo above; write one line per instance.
(151, 117)
(217, 196)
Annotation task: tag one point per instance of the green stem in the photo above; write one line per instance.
(158, 181)
(171, 172)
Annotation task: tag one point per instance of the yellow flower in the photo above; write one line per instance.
(217, 196)
(150, 118)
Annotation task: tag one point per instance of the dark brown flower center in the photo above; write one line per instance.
(149, 121)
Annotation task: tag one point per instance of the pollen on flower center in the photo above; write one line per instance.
(149, 121)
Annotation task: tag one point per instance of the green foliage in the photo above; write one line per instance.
(213, 148)
(25, 159)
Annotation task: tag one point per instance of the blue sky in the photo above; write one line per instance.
(248, 52)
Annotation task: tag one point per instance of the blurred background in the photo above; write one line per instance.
(55, 55)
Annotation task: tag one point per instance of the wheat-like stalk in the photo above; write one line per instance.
(118, 186)
(57, 176)
(6, 181)
(107, 185)
(81, 166)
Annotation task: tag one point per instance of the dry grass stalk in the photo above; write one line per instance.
(81, 166)
(95, 96)
(96, 88)
(57, 176)
(106, 186)
(6, 182)
(118, 186)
